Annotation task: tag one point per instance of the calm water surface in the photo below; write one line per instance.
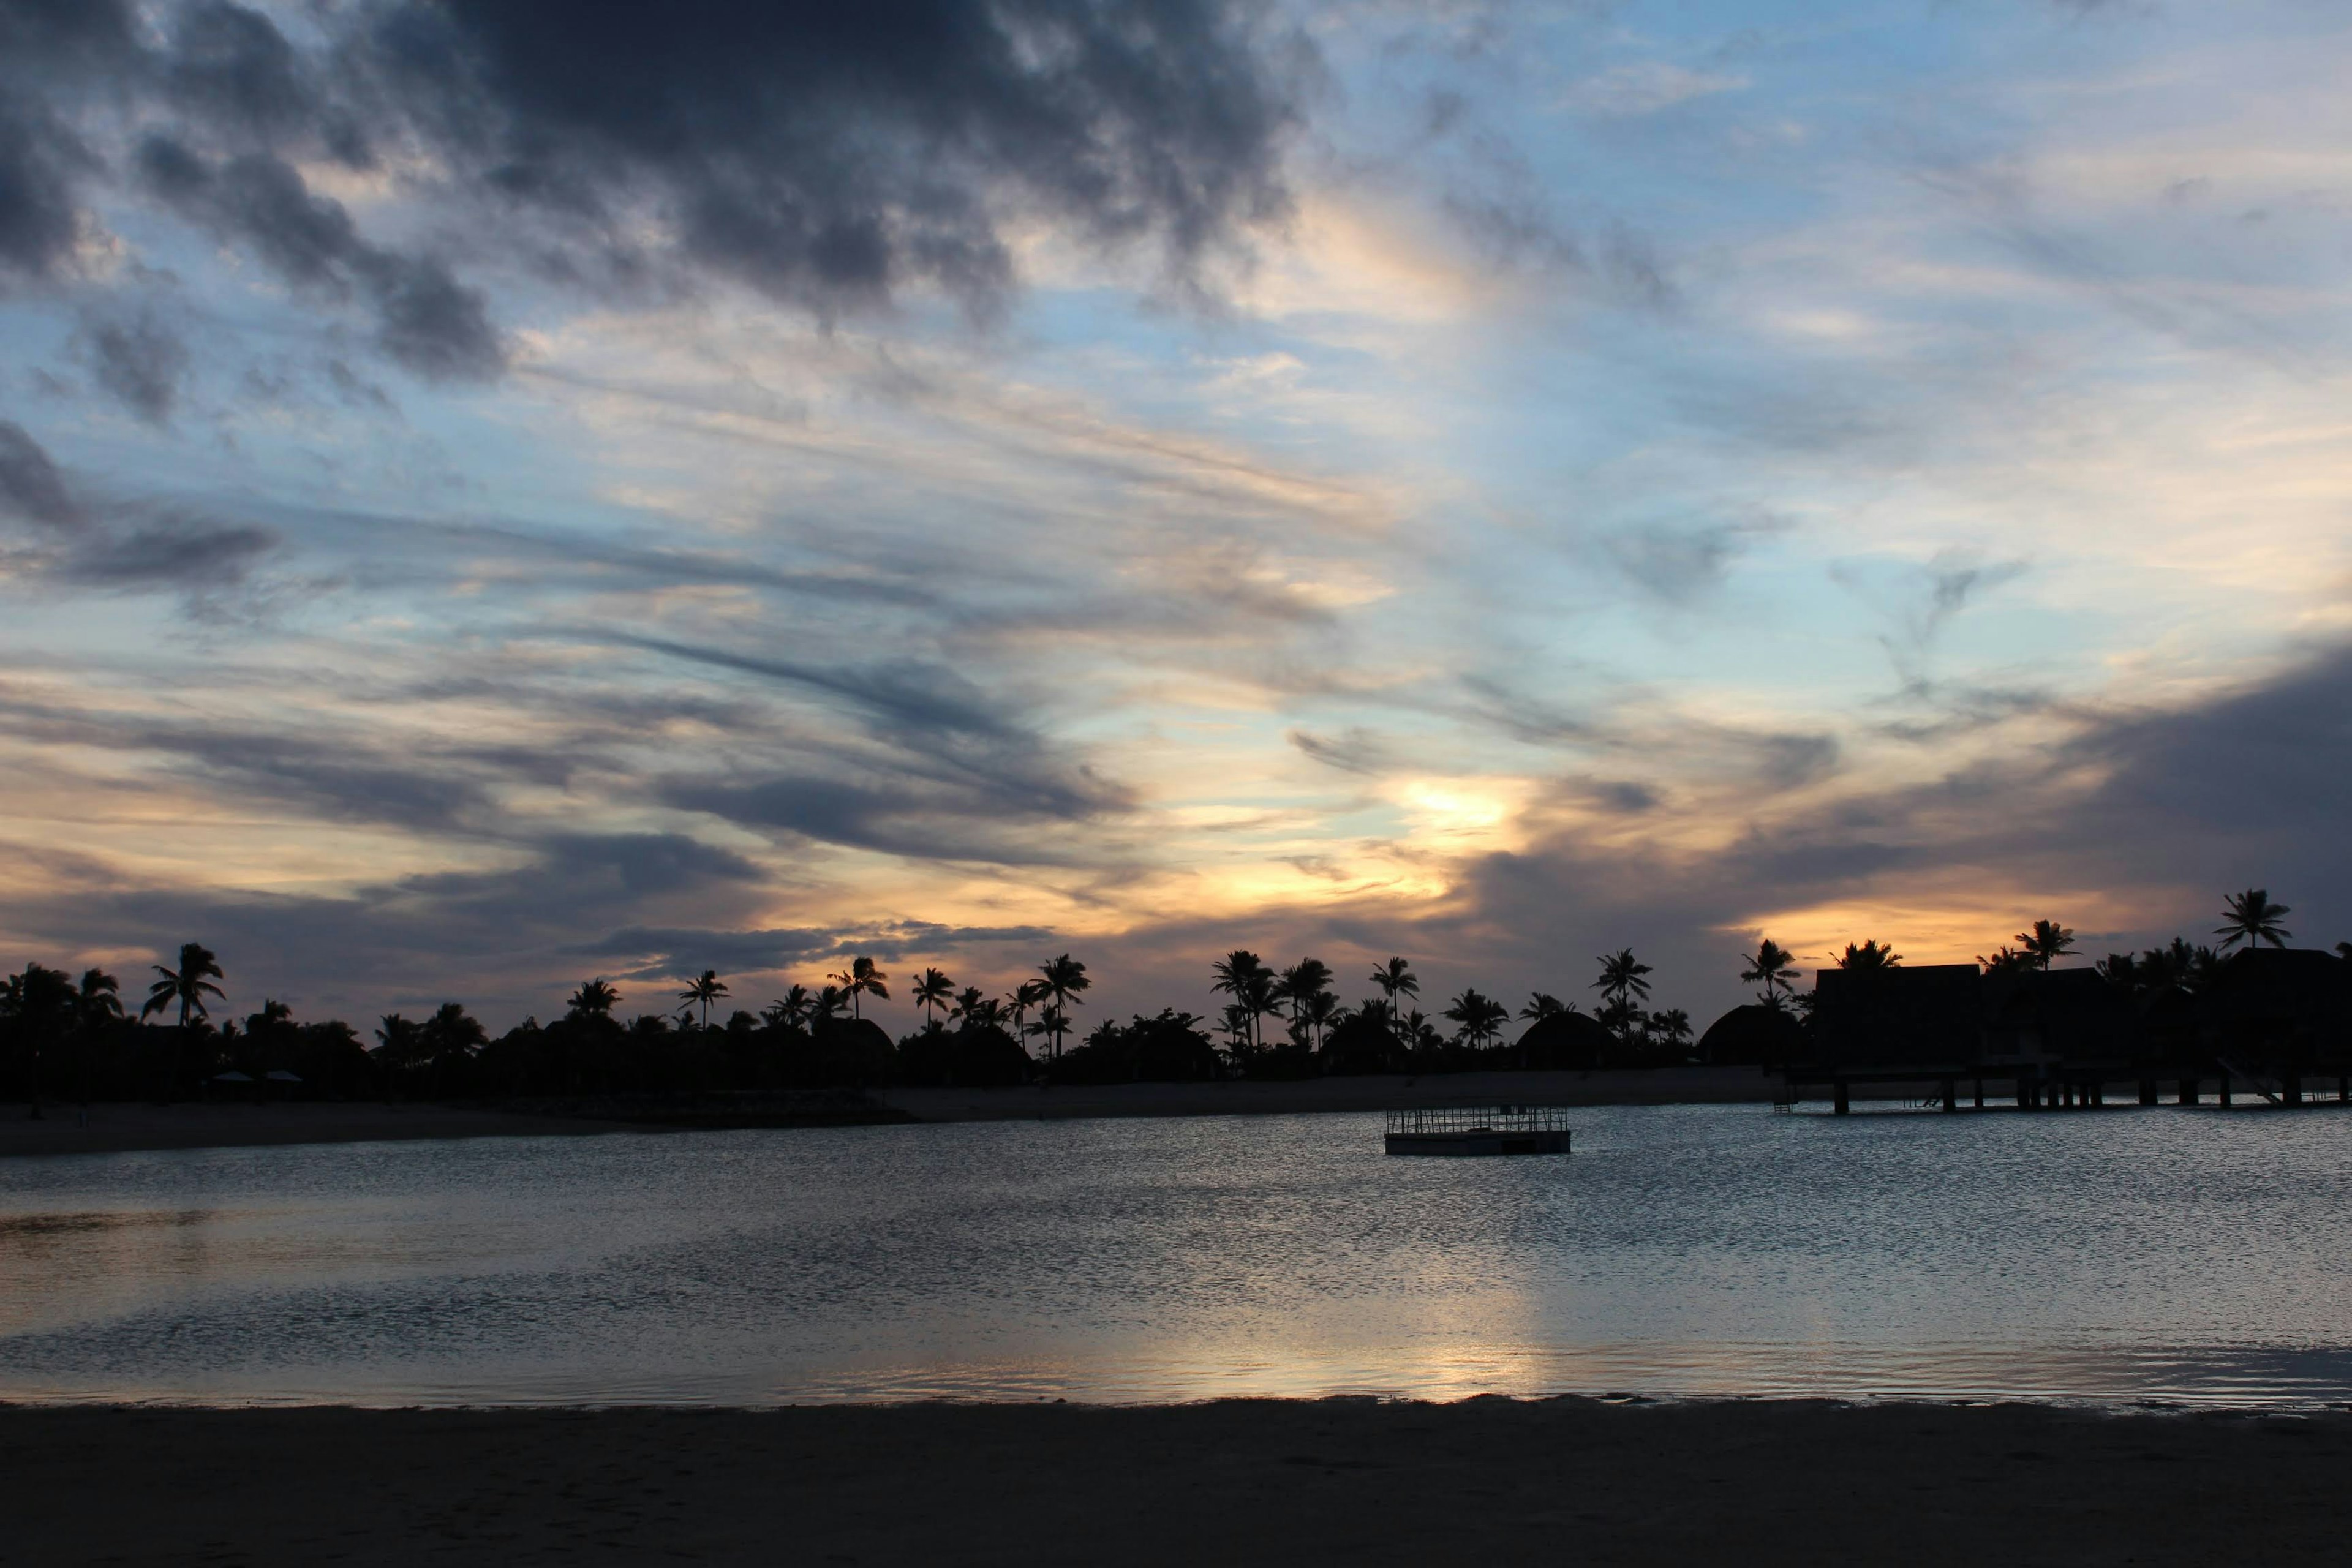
(2166, 1254)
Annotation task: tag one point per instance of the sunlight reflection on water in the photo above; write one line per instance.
(1682, 1251)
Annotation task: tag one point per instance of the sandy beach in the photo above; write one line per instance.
(120, 1127)
(1660, 1086)
(1237, 1482)
(115, 1128)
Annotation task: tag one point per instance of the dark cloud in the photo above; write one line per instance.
(1678, 564)
(232, 68)
(425, 319)
(499, 938)
(956, 765)
(38, 224)
(140, 364)
(656, 952)
(1357, 751)
(49, 50)
(826, 154)
(30, 486)
(183, 555)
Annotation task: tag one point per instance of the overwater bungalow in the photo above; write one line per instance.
(2267, 1024)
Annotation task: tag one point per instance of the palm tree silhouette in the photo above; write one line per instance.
(1621, 979)
(1541, 1005)
(188, 986)
(975, 1009)
(397, 1042)
(790, 1010)
(1869, 955)
(830, 1001)
(1021, 999)
(98, 1001)
(707, 988)
(931, 992)
(1771, 966)
(40, 1003)
(594, 999)
(1479, 1016)
(2048, 940)
(1299, 984)
(861, 979)
(1395, 978)
(1243, 976)
(1064, 978)
(2249, 917)
(1317, 1012)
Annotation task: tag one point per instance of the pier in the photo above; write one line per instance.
(2054, 1087)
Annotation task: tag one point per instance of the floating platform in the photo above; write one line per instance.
(1460, 1130)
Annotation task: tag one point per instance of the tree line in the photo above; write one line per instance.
(68, 1036)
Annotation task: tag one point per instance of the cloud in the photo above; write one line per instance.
(1645, 87)
(50, 50)
(1355, 751)
(425, 319)
(30, 485)
(680, 951)
(140, 364)
(1680, 564)
(826, 155)
(183, 555)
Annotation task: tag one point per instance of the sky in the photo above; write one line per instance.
(500, 491)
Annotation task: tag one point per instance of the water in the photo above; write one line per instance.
(1703, 1250)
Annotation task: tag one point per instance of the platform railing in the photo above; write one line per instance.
(1461, 1118)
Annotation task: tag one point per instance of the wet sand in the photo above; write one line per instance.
(1335, 1481)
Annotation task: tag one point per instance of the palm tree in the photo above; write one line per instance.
(2008, 961)
(2249, 917)
(98, 1002)
(1021, 999)
(1479, 1016)
(1671, 1028)
(790, 1010)
(861, 979)
(187, 986)
(830, 1000)
(1621, 979)
(930, 993)
(707, 988)
(1541, 1005)
(1317, 1012)
(1771, 966)
(451, 1038)
(398, 1043)
(1622, 991)
(1395, 978)
(2048, 940)
(976, 1009)
(39, 1004)
(1064, 978)
(1869, 955)
(594, 999)
(1243, 976)
(1299, 984)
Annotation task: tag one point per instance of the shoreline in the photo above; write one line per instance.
(120, 1127)
(1242, 1481)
